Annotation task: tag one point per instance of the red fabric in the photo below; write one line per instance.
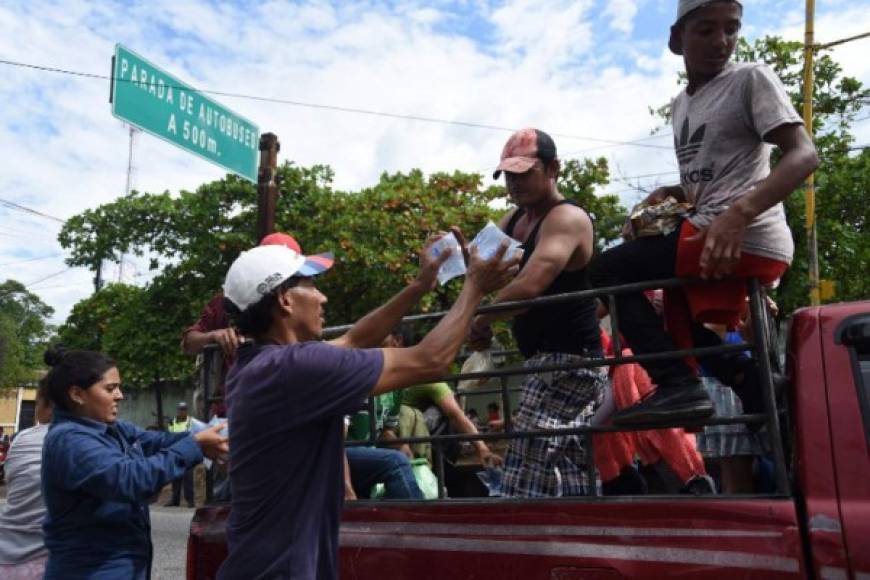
(721, 303)
(613, 451)
(606, 343)
(214, 317)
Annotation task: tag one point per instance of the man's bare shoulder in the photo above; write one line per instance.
(568, 215)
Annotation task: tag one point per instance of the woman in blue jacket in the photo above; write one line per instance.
(98, 473)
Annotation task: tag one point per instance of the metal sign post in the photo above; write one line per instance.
(267, 185)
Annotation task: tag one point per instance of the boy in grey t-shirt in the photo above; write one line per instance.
(725, 122)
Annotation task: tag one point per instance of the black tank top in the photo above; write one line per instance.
(570, 327)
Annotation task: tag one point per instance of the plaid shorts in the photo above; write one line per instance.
(553, 466)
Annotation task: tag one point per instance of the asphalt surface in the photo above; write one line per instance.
(169, 528)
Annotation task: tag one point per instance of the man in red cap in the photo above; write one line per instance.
(557, 238)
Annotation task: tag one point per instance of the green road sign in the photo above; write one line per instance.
(156, 102)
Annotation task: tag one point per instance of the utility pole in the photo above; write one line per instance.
(810, 48)
(810, 191)
(267, 184)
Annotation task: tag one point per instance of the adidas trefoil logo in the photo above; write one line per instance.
(688, 147)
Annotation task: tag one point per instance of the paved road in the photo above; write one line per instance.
(169, 527)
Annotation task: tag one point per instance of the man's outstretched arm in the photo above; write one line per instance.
(431, 357)
(371, 330)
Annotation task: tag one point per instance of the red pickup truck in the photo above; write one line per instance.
(816, 526)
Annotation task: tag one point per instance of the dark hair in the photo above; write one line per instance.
(546, 147)
(406, 332)
(82, 368)
(257, 318)
(42, 393)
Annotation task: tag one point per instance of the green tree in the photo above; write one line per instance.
(12, 369)
(24, 332)
(133, 325)
(842, 180)
(577, 181)
(191, 240)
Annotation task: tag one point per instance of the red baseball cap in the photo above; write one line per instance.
(523, 149)
(279, 239)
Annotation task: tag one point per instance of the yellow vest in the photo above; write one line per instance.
(179, 426)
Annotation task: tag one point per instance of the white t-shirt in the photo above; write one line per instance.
(718, 135)
(21, 517)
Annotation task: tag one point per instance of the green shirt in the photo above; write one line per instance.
(425, 395)
(386, 417)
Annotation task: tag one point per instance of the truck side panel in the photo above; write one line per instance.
(814, 453)
(649, 538)
(510, 540)
(850, 447)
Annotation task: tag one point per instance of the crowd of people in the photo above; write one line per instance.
(80, 482)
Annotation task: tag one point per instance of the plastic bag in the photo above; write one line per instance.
(455, 264)
(488, 240)
(491, 478)
(479, 362)
(196, 426)
(426, 480)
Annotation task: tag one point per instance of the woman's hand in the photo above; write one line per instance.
(213, 445)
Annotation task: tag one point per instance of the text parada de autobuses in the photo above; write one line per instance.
(191, 105)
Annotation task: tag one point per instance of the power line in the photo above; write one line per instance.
(43, 279)
(342, 109)
(21, 208)
(27, 232)
(35, 282)
(36, 259)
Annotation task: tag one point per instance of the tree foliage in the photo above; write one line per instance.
(192, 238)
(577, 181)
(24, 332)
(842, 180)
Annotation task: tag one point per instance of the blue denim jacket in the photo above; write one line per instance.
(96, 482)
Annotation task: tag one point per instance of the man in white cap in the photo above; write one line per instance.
(558, 241)
(289, 392)
(724, 123)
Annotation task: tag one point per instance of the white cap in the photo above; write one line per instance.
(258, 271)
(686, 6)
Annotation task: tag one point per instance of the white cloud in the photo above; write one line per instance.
(621, 14)
(550, 65)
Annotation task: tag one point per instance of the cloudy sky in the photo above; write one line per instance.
(584, 70)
